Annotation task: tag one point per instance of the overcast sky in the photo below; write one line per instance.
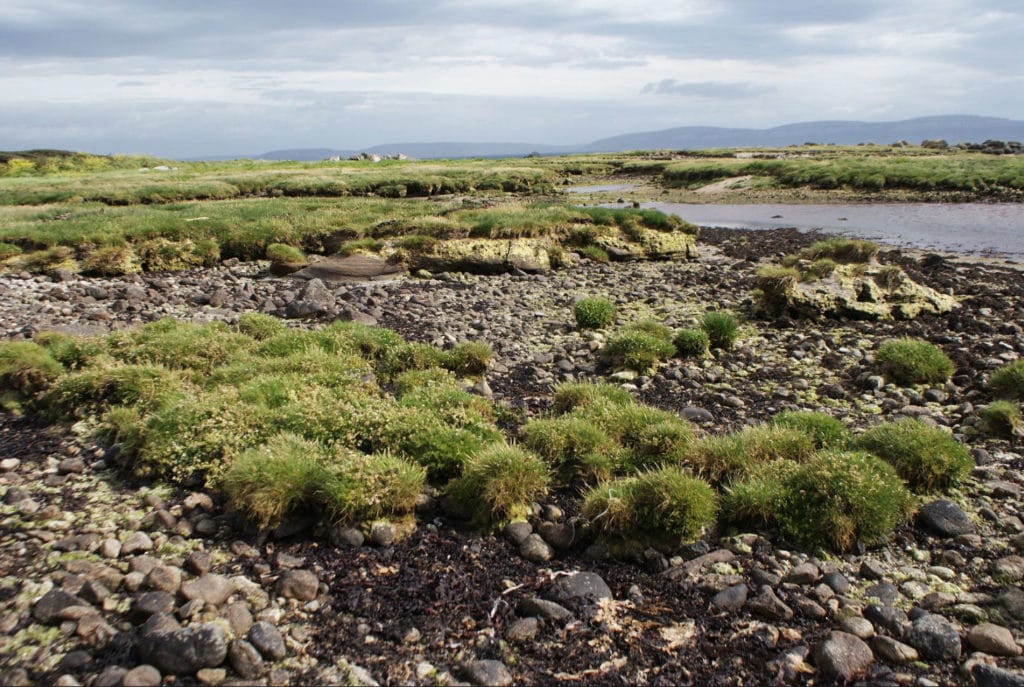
(205, 77)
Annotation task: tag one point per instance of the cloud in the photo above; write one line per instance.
(721, 90)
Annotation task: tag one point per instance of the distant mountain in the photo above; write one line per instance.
(952, 128)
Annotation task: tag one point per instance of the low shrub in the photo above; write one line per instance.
(722, 329)
(469, 358)
(666, 507)
(178, 345)
(72, 352)
(1001, 419)
(572, 395)
(910, 361)
(825, 430)
(417, 434)
(260, 326)
(637, 348)
(410, 356)
(430, 377)
(664, 442)
(927, 458)
(164, 255)
(270, 482)
(499, 483)
(692, 343)
(1008, 380)
(731, 456)
(593, 312)
(839, 499)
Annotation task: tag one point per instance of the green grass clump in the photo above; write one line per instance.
(757, 499)
(499, 483)
(838, 499)
(927, 458)
(260, 326)
(574, 446)
(366, 245)
(9, 250)
(1001, 419)
(638, 347)
(666, 507)
(572, 395)
(825, 430)
(777, 286)
(410, 356)
(1008, 380)
(819, 269)
(285, 259)
(179, 345)
(721, 328)
(841, 250)
(360, 487)
(165, 255)
(730, 456)
(95, 389)
(72, 352)
(692, 343)
(26, 368)
(910, 361)
(469, 358)
(272, 481)
(595, 253)
(413, 380)
(593, 312)
(660, 442)
(110, 261)
(418, 434)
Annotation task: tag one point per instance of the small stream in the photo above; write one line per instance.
(977, 228)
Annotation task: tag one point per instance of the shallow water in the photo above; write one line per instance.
(989, 228)
(599, 188)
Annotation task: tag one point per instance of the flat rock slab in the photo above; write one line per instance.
(352, 268)
(578, 587)
(945, 519)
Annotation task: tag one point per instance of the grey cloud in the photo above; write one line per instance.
(722, 90)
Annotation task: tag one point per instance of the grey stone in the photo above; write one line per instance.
(489, 672)
(347, 536)
(843, 656)
(871, 569)
(149, 603)
(137, 542)
(1013, 601)
(1008, 569)
(199, 562)
(860, 627)
(245, 659)
(767, 605)
(578, 587)
(112, 676)
(522, 630)
(184, 651)
(298, 584)
(990, 676)
(239, 618)
(731, 599)
(517, 531)
(945, 519)
(545, 609)
(805, 573)
(382, 534)
(559, 534)
(889, 618)
(212, 588)
(837, 582)
(935, 638)
(992, 639)
(48, 609)
(535, 549)
(268, 640)
(165, 578)
(142, 676)
(886, 593)
(894, 651)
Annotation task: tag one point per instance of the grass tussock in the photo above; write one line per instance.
(840, 250)
(499, 483)
(593, 312)
(692, 343)
(826, 431)
(722, 329)
(910, 361)
(639, 347)
(1008, 380)
(730, 456)
(665, 507)
(833, 500)
(927, 458)
(1002, 419)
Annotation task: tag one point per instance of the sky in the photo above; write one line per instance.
(192, 78)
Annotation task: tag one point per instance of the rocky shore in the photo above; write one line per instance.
(109, 582)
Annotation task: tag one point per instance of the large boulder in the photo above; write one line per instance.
(857, 291)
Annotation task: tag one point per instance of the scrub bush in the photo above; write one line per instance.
(927, 458)
(909, 361)
(594, 313)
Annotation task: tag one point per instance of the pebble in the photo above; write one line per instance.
(298, 584)
(843, 656)
(993, 639)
